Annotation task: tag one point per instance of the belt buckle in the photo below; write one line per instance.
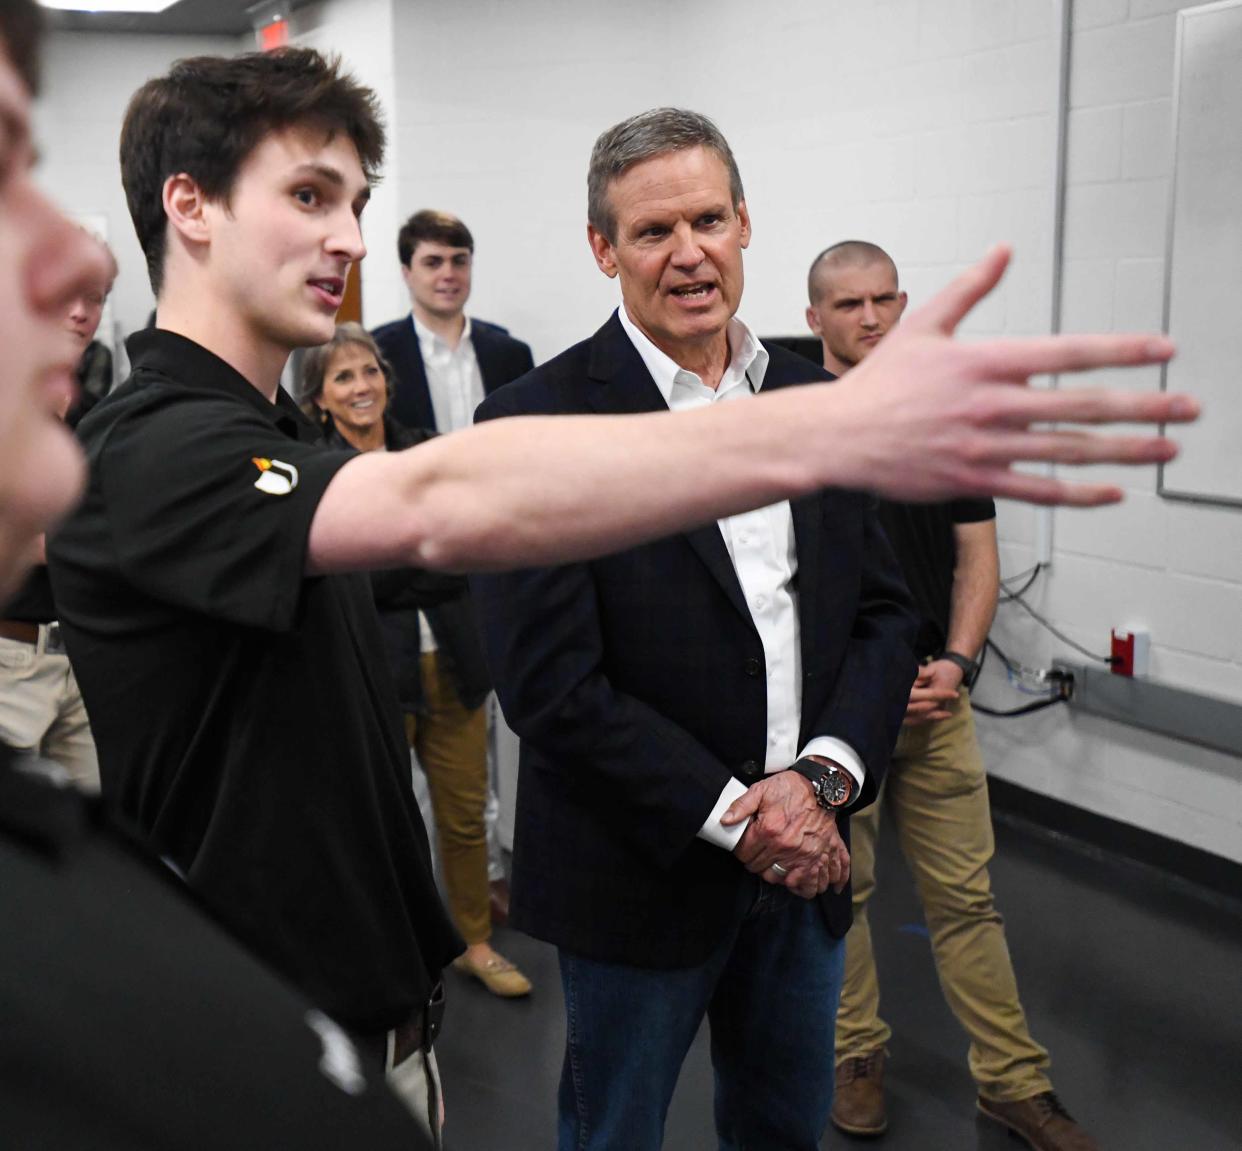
(53, 641)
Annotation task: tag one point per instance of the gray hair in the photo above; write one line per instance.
(315, 361)
(642, 137)
(847, 253)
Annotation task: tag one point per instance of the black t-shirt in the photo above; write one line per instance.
(244, 714)
(922, 537)
(130, 1020)
(33, 602)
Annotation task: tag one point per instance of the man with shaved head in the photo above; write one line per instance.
(854, 301)
(936, 788)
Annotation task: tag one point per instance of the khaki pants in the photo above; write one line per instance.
(936, 791)
(451, 745)
(42, 713)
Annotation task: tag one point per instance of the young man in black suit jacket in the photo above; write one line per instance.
(443, 361)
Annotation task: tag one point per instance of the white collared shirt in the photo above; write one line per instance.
(453, 377)
(761, 545)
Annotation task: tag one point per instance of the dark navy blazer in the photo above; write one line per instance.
(637, 685)
(501, 359)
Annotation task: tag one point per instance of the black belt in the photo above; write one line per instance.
(23, 632)
(420, 1030)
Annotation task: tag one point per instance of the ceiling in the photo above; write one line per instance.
(186, 17)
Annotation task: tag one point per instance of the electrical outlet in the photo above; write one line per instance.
(1131, 651)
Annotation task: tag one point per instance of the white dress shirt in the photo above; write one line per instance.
(761, 546)
(453, 377)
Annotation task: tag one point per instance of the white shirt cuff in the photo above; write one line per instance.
(840, 752)
(712, 830)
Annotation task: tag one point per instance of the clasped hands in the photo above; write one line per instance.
(788, 827)
(936, 686)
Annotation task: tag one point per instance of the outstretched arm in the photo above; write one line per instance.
(923, 418)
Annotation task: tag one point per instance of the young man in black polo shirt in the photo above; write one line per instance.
(936, 786)
(243, 714)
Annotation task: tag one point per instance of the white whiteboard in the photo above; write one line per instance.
(1203, 264)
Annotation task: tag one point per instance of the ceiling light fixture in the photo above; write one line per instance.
(108, 5)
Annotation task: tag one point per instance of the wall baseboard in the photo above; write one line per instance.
(1213, 873)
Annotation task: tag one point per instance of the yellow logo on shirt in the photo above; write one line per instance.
(276, 478)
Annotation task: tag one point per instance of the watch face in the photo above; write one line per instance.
(834, 786)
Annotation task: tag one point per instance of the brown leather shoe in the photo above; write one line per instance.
(858, 1101)
(499, 900)
(1042, 1121)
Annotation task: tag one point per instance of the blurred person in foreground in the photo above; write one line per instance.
(431, 637)
(41, 708)
(130, 1019)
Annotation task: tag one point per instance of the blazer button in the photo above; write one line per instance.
(753, 667)
(751, 769)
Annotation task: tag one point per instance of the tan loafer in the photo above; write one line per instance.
(497, 974)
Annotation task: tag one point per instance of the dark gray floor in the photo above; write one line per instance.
(1132, 982)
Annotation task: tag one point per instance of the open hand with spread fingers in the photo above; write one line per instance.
(961, 414)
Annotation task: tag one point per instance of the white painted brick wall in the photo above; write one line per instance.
(925, 126)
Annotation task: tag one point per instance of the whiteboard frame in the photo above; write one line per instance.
(1183, 18)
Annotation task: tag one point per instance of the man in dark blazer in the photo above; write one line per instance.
(443, 362)
(697, 714)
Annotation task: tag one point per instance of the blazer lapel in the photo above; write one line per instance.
(412, 403)
(491, 356)
(621, 384)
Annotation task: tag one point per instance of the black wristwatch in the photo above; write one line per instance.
(833, 786)
(970, 669)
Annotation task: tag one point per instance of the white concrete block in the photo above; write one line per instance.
(1138, 299)
(1147, 142)
(1116, 219)
(992, 23)
(1199, 615)
(925, 230)
(1131, 532)
(1034, 21)
(1144, 9)
(944, 27)
(940, 160)
(1122, 63)
(1096, 13)
(1218, 677)
(1205, 540)
(1087, 295)
(1095, 595)
(921, 96)
(1014, 81)
(1018, 154)
(1093, 152)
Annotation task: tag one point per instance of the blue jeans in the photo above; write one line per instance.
(770, 992)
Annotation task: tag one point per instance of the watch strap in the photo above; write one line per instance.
(969, 667)
(813, 771)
